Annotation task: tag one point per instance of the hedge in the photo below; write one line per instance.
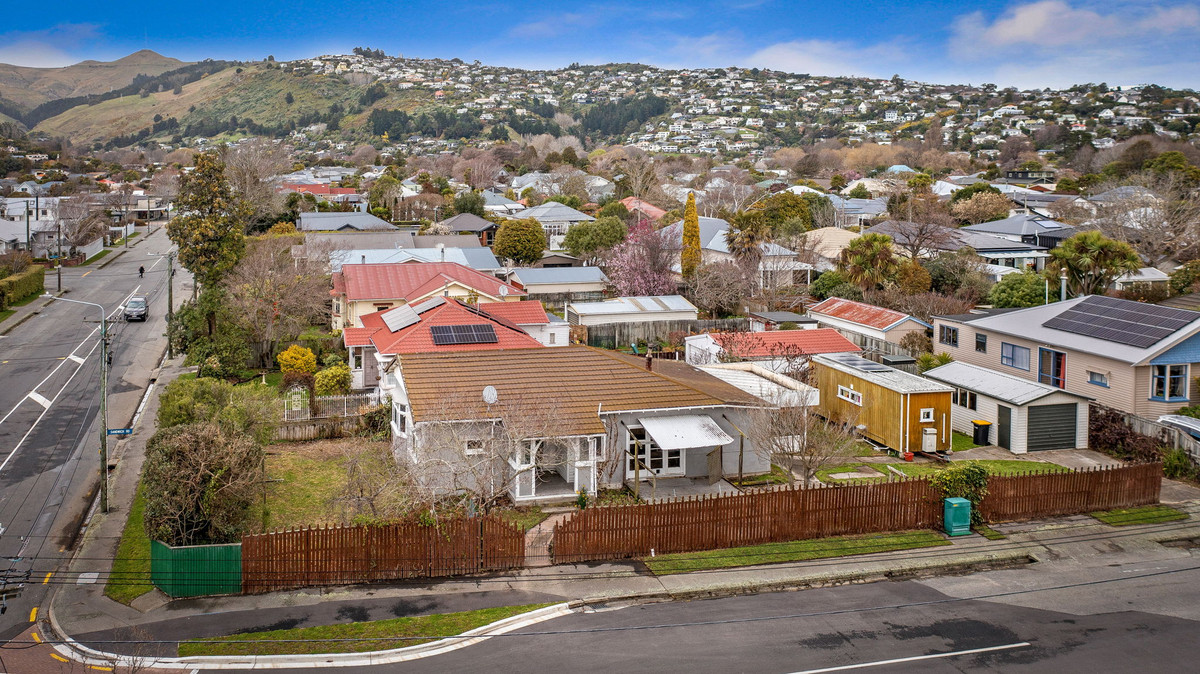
(20, 286)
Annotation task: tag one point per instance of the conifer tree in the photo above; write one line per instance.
(689, 257)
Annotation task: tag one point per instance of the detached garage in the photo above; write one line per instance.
(1025, 416)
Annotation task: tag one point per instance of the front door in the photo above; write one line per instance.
(659, 462)
(1004, 426)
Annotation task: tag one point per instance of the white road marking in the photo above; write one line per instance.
(915, 658)
(39, 399)
(75, 358)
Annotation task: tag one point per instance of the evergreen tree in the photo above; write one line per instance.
(689, 257)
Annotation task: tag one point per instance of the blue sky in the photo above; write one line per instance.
(1032, 43)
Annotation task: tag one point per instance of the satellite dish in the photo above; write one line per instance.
(504, 291)
(489, 395)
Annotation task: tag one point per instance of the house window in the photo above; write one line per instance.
(1014, 356)
(948, 335)
(595, 449)
(926, 415)
(850, 395)
(527, 454)
(981, 343)
(551, 339)
(1098, 378)
(382, 307)
(1052, 367)
(400, 418)
(473, 447)
(965, 398)
(1169, 383)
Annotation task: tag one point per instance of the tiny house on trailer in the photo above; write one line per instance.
(896, 409)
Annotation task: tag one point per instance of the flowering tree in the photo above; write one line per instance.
(641, 264)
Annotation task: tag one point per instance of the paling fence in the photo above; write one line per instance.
(318, 556)
(786, 514)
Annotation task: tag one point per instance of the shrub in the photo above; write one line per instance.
(250, 409)
(1194, 410)
(825, 283)
(1178, 465)
(293, 380)
(19, 286)
(928, 361)
(963, 479)
(333, 380)
(297, 359)
(917, 342)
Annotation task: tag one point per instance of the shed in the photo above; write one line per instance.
(1025, 416)
(896, 409)
(588, 281)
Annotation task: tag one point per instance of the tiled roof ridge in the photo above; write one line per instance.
(658, 374)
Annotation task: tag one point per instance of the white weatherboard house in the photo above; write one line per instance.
(1025, 416)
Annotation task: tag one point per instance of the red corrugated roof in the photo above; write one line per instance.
(858, 312)
(649, 209)
(410, 282)
(416, 338)
(785, 343)
(529, 312)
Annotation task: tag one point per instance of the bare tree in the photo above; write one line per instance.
(798, 438)
(921, 239)
(251, 168)
(79, 223)
(275, 295)
(375, 484)
(720, 288)
(1159, 215)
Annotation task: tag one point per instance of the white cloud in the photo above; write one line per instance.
(49, 48)
(35, 55)
(825, 57)
(552, 27)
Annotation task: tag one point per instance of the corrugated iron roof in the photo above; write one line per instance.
(861, 313)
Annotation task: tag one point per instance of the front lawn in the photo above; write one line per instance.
(923, 469)
(130, 576)
(792, 551)
(525, 518)
(1151, 514)
(358, 637)
(303, 480)
(778, 475)
(961, 442)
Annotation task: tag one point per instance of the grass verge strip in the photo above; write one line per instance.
(1151, 514)
(97, 256)
(792, 551)
(130, 577)
(378, 635)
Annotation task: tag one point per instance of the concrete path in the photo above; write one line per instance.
(538, 539)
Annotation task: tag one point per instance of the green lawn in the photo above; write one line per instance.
(961, 442)
(778, 475)
(359, 637)
(993, 467)
(1014, 467)
(525, 518)
(792, 551)
(97, 256)
(5, 313)
(130, 577)
(989, 533)
(1151, 514)
(303, 484)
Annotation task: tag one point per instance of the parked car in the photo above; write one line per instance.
(1188, 425)
(136, 308)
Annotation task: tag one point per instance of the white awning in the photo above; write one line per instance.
(685, 431)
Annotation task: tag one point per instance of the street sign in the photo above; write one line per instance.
(120, 431)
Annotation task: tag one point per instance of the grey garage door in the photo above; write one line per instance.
(1051, 427)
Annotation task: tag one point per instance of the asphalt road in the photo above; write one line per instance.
(49, 403)
(1132, 625)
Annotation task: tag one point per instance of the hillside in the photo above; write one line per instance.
(28, 88)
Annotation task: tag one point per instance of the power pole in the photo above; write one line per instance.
(103, 412)
(28, 242)
(170, 302)
(58, 266)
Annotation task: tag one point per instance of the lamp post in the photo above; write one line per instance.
(103, 396)
(170, 298)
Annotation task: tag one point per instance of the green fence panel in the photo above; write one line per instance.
(196, 570)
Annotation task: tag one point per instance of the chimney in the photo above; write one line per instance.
(364, 259)
(649, 363)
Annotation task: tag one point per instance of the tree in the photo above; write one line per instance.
(922, 238)
(1024, 289)
(983, 207)
(590, 239)
(860, 191)
(1186, 279)
(912, 278)
(971, 190)
(208, 229)
(747, 234)
(959, 272)
(837, 183)
(689, 257)
(251, 168)
(248, 409)
(1092, 261)
(469, 202)
(720, 288)
(641, 264)
(869, 261)
(521, 241)
(820, 289)
(274, 295)
(920, 182)
(78, 224)
(1158, 214)
(796, 437)
(200, 484)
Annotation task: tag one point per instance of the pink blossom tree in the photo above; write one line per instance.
(641, 264)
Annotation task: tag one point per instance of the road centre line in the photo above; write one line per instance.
(915, 658)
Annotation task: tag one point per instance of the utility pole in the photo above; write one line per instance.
(28, 242)
(58, 266)
(104, 364)
(170, 302)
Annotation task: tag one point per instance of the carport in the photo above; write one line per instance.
(1025, 415)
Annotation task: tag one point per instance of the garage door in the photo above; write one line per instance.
(1051, 427)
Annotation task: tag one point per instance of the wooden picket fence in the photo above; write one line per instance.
(746, 519)
(364, 554)
(1024, 497)
(786, 514)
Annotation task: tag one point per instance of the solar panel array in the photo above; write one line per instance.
(445, 335)
(399, 318)
(1121, 321)
(858, 362)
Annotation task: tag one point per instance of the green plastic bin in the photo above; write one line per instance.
(957, 518)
